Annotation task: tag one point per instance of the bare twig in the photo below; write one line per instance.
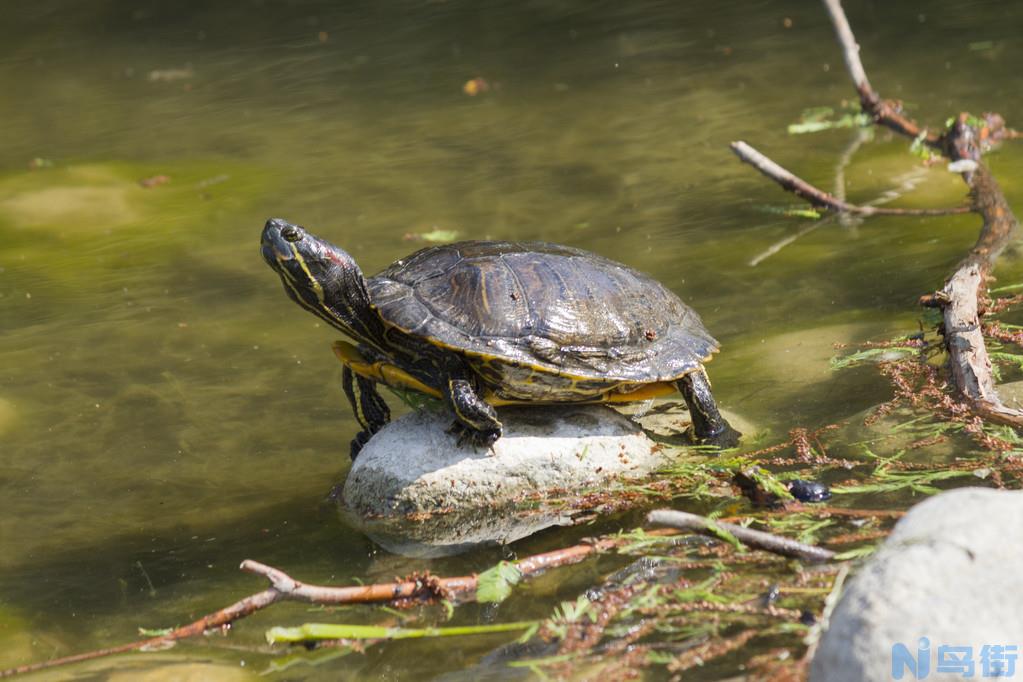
(850, 50)
(220, 618)
(752, 538)
(818, 197)
(285, 588)
(959, 298)
(885, 112)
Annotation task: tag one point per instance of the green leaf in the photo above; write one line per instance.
(889, 481)
(495, 584)
(918, 148)
(856, 553)
(819, 119)
(767, 482)
(319, 631)
(1007, 287)
(416, 400)
(790, 211)
(1012, 358)
(155, 632)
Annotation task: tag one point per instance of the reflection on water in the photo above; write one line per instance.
(166, 412)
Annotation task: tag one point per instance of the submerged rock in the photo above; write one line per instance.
(88, 197)
(902, 429)
(786, 363)
(459, 497)
(948, 574)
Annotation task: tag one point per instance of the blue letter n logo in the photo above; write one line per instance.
(903, 660)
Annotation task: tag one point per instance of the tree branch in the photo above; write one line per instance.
(818, 197)
(959, 298)
(756, 539)
(285, 588)
(885, 112)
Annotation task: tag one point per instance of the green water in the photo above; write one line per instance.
(166, 412)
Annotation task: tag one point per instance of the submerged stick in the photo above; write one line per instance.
(756, 539)
(818, 197)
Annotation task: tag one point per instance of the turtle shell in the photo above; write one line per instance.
(552, 308)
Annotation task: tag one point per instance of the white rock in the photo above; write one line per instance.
(416, 493)
(413, 465)
(458, 498)
(950, 572)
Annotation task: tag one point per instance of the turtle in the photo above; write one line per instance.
(481, 324)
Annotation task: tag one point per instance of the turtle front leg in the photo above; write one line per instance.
(475, 420)
(709, 427)
(370, 409)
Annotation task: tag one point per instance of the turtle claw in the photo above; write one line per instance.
(466, 435)
(723, 439)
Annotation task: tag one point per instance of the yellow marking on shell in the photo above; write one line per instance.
(644, 392)
(479, 356)
(381, 372)
(483, 290)
(395, 377)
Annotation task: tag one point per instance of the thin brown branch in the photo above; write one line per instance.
(291, 589)
(751, 538)
(887, 113)
(821, 199)
(221, 618)
(285, 588)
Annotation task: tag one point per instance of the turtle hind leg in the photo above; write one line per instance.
(370, 409)
(709, 427)
(476, 420)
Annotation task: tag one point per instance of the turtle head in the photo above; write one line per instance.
(320, 277)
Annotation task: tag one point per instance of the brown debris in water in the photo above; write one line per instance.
(994, 330)
(703, 653)
(993, 306)
(922, 386)
(429, 590)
